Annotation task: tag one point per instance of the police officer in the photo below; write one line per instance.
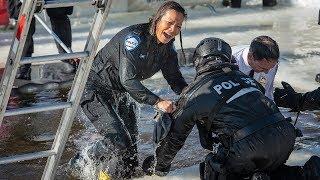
(289, 98)
(254, 135)
(132, 55)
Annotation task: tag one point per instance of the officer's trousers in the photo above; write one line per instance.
(262, 151)
(113, 115)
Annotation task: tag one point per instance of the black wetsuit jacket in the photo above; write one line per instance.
(216, 102)
(131, 56)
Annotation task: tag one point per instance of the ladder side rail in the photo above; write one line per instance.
(76, 91)
(15, 53)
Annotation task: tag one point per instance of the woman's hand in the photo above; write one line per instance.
(166, 106)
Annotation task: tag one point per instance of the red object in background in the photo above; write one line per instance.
(4, 15)
(21, 24)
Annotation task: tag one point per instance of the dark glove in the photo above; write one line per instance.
(287, 97)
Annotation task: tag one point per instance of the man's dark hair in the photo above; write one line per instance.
(264, 47)
(168, 5)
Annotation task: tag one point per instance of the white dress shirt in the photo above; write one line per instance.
(240, 54)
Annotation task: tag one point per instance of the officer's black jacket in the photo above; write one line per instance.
(131, 56)
(245, 103)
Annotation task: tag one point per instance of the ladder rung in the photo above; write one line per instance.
(54, 106)
(55, 4)
(53, 58)
(28, 156)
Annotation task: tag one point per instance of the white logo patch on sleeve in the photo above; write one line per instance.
(131, 42)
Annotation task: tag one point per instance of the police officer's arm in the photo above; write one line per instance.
(128, 73)
(171, 72)
(180, 129)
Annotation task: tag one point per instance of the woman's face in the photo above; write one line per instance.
(169, 26)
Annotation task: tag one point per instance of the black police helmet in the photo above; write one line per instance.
(212, 47)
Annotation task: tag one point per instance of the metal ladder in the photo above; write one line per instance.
(70, 107)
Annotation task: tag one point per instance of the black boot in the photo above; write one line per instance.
(232, 3)
(226, 3)
(269, 3)
(235, 3)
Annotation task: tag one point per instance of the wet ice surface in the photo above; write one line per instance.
(295, 28)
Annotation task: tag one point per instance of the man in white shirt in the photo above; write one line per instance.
(259, 60)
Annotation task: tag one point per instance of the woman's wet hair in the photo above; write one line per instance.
(264, 47)
(168, 5)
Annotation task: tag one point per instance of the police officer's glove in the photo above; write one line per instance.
(287, 97)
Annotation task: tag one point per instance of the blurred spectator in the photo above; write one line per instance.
(60, 24)
(237, 3)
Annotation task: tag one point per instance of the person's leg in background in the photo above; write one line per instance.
(24, 71)
(269, 3)
(237, 3)
(14, 8)
(232, 3)
(61, 26)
